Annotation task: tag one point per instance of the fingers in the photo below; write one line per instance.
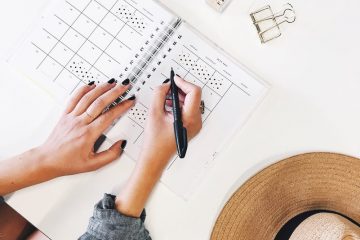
(90, 97)
(106, 119)
(193, 96)
(159, 98)
(77, 96)
(98, 106)
(107, 156)
(185, 86)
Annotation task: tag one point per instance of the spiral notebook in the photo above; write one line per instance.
(78, 41)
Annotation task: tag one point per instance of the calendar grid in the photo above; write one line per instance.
(75, 54)
(59, 65)
(219, 72)
(90, 40)
(86, 39)
(118, 17)
(98, 24)
(136, 10)
(47, 54)
(69, 48)
(144, 107)
(114, 37)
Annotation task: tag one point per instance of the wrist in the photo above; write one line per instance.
(26, 169)
(155, 161)
(44, 163)
(150, 165)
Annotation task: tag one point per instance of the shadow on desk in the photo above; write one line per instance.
(13, 226)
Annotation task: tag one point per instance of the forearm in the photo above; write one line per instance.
(23, 170)
(133, 197)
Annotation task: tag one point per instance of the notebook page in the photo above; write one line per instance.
(78, 41)
(230, 94)
(94, 40)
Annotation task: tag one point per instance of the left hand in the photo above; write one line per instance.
(69, 148)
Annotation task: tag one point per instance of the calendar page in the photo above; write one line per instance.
(229, 91)
(78, 41)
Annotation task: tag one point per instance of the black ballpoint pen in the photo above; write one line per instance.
(180, 131)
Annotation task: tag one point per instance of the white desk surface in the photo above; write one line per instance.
(313, 106)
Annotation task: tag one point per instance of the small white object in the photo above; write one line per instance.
(218, 5)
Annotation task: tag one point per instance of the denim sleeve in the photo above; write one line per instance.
(108, 224)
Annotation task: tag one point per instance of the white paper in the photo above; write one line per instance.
(76, 42)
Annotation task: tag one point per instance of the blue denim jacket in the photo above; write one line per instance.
(108, 224)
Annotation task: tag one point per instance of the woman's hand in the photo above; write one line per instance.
(159, 139)
(70, 147)
(159, 144)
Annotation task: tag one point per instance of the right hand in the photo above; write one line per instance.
(159, 131)
(159, 144)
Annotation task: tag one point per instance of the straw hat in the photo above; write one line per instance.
(326, 226)
(268, 200)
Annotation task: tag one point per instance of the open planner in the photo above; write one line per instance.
(78, 41)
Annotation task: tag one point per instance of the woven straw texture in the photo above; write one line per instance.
(312, 181)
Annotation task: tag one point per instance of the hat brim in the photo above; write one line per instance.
(312, 181)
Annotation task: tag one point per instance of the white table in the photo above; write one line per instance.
(313, 106)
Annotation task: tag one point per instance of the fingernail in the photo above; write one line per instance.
(123, 144)
(178, 75)
(91, 83)
(125, 82)
(166, 81)
(111, 81)
(132, 97)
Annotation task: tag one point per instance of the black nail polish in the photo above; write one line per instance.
(125, 82)
(91, 83)
(123, 144)
(111, 81)
(132, 97)
(166, 81)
